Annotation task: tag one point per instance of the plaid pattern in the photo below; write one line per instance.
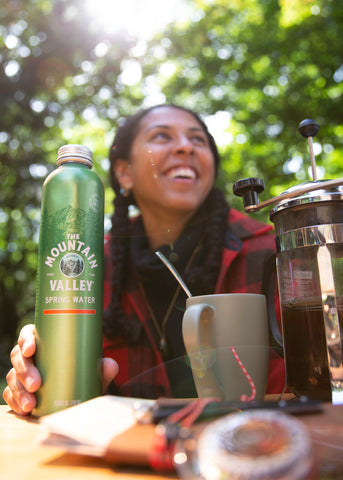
(248, 244)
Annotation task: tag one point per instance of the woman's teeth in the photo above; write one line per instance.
(182, 172)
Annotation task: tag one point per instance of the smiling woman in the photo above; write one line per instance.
(164, 161)
(137, 18)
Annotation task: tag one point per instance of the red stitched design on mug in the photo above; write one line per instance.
(245, 398)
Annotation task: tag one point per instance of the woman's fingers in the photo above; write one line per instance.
(27, 340)
(24, 371)
(109, 371)
(23, 379)
(16, 396)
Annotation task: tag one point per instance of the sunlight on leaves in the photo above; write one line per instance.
(295, 11)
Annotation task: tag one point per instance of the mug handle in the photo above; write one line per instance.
(196, 330)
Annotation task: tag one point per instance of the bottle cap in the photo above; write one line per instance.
(74, 153)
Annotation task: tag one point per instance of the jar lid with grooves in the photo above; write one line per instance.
(255, 445)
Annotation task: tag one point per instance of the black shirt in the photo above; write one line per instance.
(160, 286)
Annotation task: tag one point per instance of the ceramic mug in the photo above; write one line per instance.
(227, 344)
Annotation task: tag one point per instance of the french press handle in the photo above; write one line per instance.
(269, 282)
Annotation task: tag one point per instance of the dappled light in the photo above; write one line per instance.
(136, 18)
(71, 71)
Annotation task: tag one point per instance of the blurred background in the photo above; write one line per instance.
(71, 70)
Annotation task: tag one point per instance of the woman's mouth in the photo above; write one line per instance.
(184, 173)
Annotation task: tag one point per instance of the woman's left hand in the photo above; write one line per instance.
(110, 369)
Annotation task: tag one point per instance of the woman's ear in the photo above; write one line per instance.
(122, 172)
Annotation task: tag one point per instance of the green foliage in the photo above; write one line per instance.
(270, 64)
(266, 64)
(53, 90)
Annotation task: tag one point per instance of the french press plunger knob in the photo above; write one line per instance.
(248, 189)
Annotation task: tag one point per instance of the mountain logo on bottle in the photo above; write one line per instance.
(72, 265)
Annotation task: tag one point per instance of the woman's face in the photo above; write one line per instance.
(171, 166)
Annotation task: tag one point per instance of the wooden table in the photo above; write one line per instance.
(22, 457)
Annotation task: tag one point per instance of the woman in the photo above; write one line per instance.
(164, 161)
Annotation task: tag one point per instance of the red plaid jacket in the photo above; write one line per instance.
(248, 244)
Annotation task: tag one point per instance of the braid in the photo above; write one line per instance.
(202, 277)
(120, 232)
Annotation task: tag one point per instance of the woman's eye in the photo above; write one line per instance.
(160, 136)
(199, 140)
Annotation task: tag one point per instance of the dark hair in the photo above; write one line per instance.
(200, 277)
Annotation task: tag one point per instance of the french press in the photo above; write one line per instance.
(308, 221)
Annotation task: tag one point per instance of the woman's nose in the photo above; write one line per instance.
(183, 145)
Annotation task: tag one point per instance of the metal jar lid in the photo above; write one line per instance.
(307, 193)
(255, 445)
(75, 153)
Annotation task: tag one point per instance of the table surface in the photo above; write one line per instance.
(23, 456)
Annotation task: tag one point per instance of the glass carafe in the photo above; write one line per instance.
(309, 240)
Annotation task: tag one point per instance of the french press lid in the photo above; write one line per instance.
(319, 192)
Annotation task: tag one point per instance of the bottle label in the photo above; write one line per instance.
(69, 263)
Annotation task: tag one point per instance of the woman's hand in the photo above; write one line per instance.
(23, 380)
(109, 371)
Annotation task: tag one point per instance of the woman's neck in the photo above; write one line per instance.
(164, 230)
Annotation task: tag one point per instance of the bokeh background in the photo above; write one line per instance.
(71, 70)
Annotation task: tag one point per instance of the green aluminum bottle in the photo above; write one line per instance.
(69, 292)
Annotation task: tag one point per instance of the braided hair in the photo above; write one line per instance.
(200, 276)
